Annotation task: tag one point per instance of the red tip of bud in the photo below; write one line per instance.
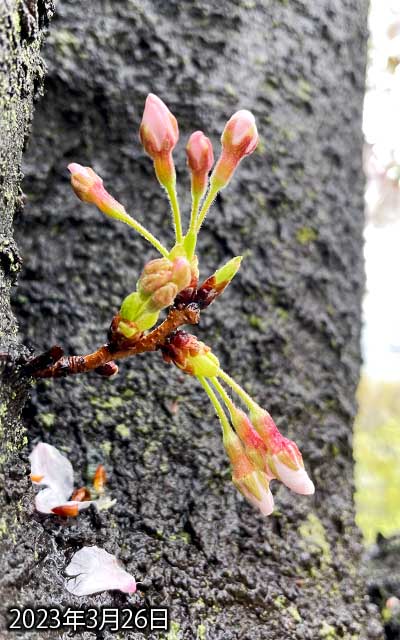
(67, 510)
(199, 153)
(99, 479)
(159, 129)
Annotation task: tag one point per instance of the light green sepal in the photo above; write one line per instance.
(130, 306)
(228, 271)
(147, 320)
(205, 366)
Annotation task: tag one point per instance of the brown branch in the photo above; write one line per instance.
(70, 365)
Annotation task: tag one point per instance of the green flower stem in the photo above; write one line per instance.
(196, 198)
(212, 193)
(238, 389)
(125, 217)
(176, 215)
(223, 394)
(226, 427)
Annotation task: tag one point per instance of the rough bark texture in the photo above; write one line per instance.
(288, 328)
(21, 75)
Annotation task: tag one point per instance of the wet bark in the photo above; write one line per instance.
(288, 328)
(22, 25)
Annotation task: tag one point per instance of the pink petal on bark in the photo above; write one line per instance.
(93, 570)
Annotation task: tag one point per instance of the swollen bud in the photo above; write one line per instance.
(159, 134)
(88, 186)
(239, 139)
(251, 482)
(283, 455)
(200, 159)
(162, 280)
(254, 446)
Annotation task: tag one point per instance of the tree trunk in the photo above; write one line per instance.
(21, 75)
(288, 328)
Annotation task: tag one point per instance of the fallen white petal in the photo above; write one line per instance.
(47, 499)
(95, 570)
(52, 469)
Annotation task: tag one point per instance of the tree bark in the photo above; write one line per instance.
(21, 74)
(288, 328)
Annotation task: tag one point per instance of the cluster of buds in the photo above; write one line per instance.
(161, 281)
(258, 452)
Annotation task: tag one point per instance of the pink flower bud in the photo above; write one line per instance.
(181, 273)
(254, 445)
(159, 128)
(200, 158)
(161, 272)
(164, 296)
(84, 180)
(88, 186)
(251, 482)
(240, 136)
(283, 456)
(159, 134)
(239, 139)
(199, 153)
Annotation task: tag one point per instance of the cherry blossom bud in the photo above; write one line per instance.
(191, 355)
(162, 271)
(283, 456)
(92, 570)
(88, 186)
(254, 445)
(239, 139)
(164, 296)
(251, 482)
(181, 273)
(162, 280)
(217, 283)
(200, 158)
(159, 134)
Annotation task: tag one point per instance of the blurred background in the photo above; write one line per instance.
(377, 431)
